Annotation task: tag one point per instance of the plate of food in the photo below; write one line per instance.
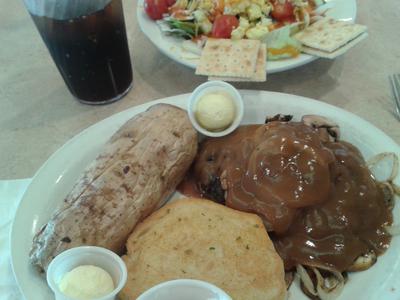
(181, 31)
(302, 190)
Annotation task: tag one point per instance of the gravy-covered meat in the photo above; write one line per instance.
(316, 197)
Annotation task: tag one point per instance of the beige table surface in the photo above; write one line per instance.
(38, 115)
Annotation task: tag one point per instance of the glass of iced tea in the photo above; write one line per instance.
(87, 41)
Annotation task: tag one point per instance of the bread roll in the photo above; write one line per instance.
(138, 169)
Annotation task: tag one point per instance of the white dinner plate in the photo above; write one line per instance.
(171, 46)
(56, 177)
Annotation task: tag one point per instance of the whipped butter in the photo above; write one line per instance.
(215, 111)
(86, 282)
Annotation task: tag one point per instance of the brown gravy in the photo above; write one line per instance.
(318, 200)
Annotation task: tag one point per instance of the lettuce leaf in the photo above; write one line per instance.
(281, 39)
(184, 29)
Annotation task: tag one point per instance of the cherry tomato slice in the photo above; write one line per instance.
(156, 8)
(223, 26)
(283, 11)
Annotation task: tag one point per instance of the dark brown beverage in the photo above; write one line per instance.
(91, 53)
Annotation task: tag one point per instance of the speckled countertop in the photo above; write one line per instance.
(38, 114)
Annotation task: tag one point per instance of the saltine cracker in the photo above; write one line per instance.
(336, 53)
(224, 57)
(329, 35)
(260, 74)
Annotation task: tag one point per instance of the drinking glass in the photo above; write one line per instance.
(87, 41)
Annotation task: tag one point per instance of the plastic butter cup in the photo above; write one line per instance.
(215, 87)
(87, 255)
(183, 289)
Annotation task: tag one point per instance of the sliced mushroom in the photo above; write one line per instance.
(363, 262)
(279, 118)
(327, 129)
(289, 277)
(330, 285)
(384, 166)
(345, 276)
(307, 283)
(321, 282)
(307, 293)
(388, 193)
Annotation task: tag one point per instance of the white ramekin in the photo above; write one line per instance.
(183, 289)
(87, 255)
(212, 87)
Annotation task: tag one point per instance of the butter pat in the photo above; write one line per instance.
(86, 282)
(215, 111)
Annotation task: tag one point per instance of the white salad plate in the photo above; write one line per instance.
(56, 177)
(171, 46)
